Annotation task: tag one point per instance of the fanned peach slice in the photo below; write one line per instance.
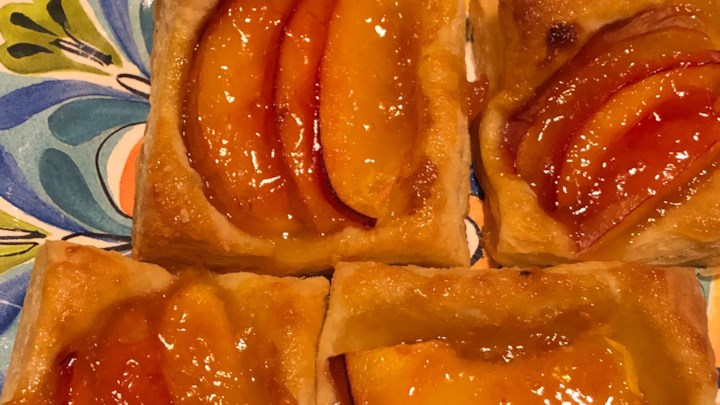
(201, 362)
(369, 117)
(577, 95)
(230, 128)
(586, 151)
(297, 109)
(121, 364)
(594, 371)
(648, 21)
(665, 151)
(624, 124)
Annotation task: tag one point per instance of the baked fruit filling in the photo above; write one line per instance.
(304, 116)
(625, 129)
(593, 370)
(186, 345)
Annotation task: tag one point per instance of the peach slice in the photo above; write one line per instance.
(230, 128)
(587, 149)
(575, 142)
(297, 110)
(593, 370)
(664, 152)
(577, 95)
(201, 361)
(652, 19)
(369, 116)
(121, 364)
(648, 21)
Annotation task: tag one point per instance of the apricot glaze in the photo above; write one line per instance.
(297, 102)
(120, 364)
(369, 103)
(230, 127)
(172, 348)
(595, 370)
(623, 126)
(302, 115)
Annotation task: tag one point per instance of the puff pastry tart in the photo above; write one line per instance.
(581, 333)
(286, 135)
(603, 144)
(100, 328)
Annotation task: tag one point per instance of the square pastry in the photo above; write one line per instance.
(581, 333)
(603, 143)
(98, 327)
(286, 136)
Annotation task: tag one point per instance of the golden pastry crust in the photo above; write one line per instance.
(175, 223)
(657, 313)
(69, 287)
(517, 230)
(72, 285)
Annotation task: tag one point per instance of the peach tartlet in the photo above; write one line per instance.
(603, 144)
(285, 136)
(101, 328)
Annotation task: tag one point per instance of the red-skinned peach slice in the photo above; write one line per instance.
(653, 19)
(230, 128)
(661, 154)
(297, 110)
(201, 362)
(565, 140)
(586, 151)
(368, 110)
(579, 96)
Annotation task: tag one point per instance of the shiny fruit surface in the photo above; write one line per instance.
(369, 100)
(297, 103)
(624, 126)
(592, 371)
(230, 128)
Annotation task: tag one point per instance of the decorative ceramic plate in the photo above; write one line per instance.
(74, 86)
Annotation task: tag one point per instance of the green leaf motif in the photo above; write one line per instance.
(56, 12)
(18, 241)
(49, 35)
(23, 50)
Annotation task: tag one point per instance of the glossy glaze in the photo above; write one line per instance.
(297, 103)
(370, 100)
(204, 361)
(230, 125)
(302, 115)
(595, 370)
(589, 161)
(186, 345)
